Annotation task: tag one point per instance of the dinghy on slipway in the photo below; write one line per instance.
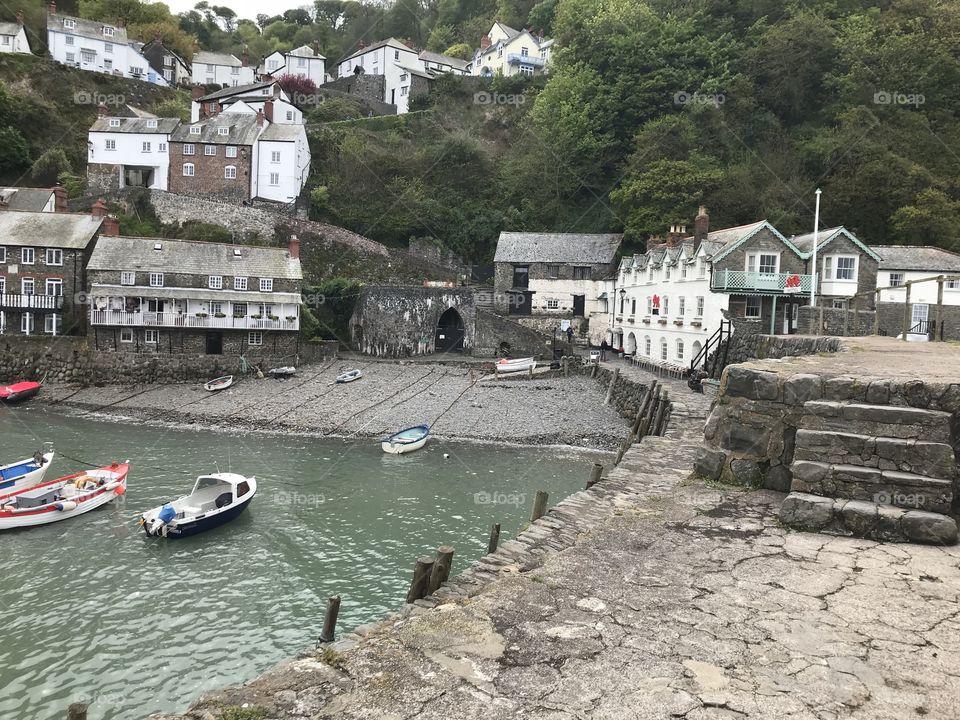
(516, 365)
(405, 441)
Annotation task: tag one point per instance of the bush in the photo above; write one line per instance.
(333, 109)
(297, 84)
(13, 150)
(50, 166)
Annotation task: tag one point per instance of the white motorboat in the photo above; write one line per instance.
(26, 473)
(405, 441)
(63, 498)
(216, 499)
(220, 383)
(349, 376)
(516, 365)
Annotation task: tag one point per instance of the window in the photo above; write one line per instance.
(839, 304)
(255, 338)
(679, 349)
(663, 349)
(189, 149)
(949, 284)
(209, 150)
(108, 64)
(681, 306)
(3, 254)
(553, 304)
(763, 263)
(553, 272)
(151, 123)
(110, 144)
(683, 271)
(581, 273)
(266, 284)
(70, 39)
(108, 31)
(88, 56)
(403, 90)
(274, 156)
(396, 54)
(239, 283)
(223, 131)
(52, 324)
(234, 71)
(230, 172)
(665, 306)
(230, 151)
(239, 310)
(195, 129)
(69, 24)
(215, 282)
(846, 268)
(26, 323)
(108, 48)
(274, 178)
(524, 52)
(128, 278)
(216, 308)
(633, 306)
(896, 278)
(650, 275)
(701, 269)
(753, 307)
(6, 39)
(126, 335)
(188, 169)
(26, 286)
(301, 62)
(161, 147)
(699, 307)
(71, 57)
(150, 337)
(156, 279)
(649, 305)
(145, 147)
(27, 256)
(647, 346)
(666, 272)
(53, 256)
(289, 115)
(114, 122)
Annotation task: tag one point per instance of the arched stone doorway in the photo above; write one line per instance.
(631, 346)
(449, 335)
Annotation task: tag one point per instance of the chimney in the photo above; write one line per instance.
(409, 43)
(268, 110)
(99, 209)
(361, 45)
(101, 110)
(676, 234)
(20, 18)
(110, 226)
(60, 199)
(158, 38)
(197, 92)
(196, 45)
(53, 7)
(701, 227)
(653, 241)
(485, 42)
(245, 57)
(260, 117)
(293, 246)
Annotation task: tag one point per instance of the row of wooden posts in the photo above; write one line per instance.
(651, 417)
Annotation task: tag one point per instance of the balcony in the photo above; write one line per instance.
(739, 281)
(122, 318)
(32, 302)
(518, 59)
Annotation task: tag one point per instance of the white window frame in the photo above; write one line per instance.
(215, 282)
(266, 284)
(52, 324)
(189, 149)
(3, 254)
(28, 286)
(110, 144)
(664, 349)
(145, 147)
(126, 334)
(553, 304)
(240, 283)
(156, 279)
(27, 325)
(275, 157)
(230, 151)
(682, 306)
(274, 179)
(700, 306)
(70, 24)
(897, 279)
(230, 172)
(189, 170)
(195, 129)
(28, 256)
(223, 131)
(151, 337)
(210, 150)
(255, 338)
(679, 349)
(128, 278)
(53, 256)
(55, 284)
(751, 299)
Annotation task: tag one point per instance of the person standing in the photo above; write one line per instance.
(604, 346)
(570, 334)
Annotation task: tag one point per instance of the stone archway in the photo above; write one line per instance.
(631, 347)
(450, 332)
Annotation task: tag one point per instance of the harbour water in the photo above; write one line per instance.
(94, 610)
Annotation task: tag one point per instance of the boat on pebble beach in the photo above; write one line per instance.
(220, 383)
(64, 498)
(406, 441)
(216, 499)
(509, 365)
(19, 392)
(349, 376)
(286, 371)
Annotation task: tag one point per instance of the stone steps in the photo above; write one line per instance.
(877, 420)
(886, 487)
(885, 453)
(867, 520)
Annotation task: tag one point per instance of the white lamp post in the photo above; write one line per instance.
(816, 238)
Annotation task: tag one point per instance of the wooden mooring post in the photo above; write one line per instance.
(77, 711)
(494, 539)
(440, 571)
(539, 505)
(328, 633)
(595, 475)
(658, 428)
(421, 578)
(613, 381)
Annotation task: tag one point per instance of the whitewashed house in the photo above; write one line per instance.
(254, 97)
(395, 61)
(437, 63)
(284, 162)
(129, 152)
(505, 51)
(303, 60)
(13, 38)
(97, 47)
(224, 69)
(900, 264)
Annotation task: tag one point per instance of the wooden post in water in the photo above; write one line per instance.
(441, 568)
(421, 578)
(595, 475)
(77, 711)
(330, 620)
(494, 538)
(613, 381)
(539, 505)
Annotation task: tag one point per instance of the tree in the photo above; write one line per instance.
(929, 220)
(297, 84)
(49, 166)
(13, 150)
(460, 50)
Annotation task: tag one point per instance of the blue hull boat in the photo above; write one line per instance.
(216, 500)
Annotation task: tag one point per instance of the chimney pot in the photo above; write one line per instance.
(196, 45)
(60, 198)
(19, 17)
(110, 226)
(245, 57)
(101, 110)
(99, 208)
(53, 7)
(701, 227)
(260, 117)
(293, 246)
(485, 42)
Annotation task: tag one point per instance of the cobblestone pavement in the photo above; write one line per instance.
(651, 596)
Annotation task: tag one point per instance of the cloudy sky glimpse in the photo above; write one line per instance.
(244, 8)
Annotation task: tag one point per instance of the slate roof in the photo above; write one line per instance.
(282, 132)
(924, 258)
(193, 258)
(243, 130)
(305, 51)
(86, 28)
(10, 28)
(582, 248)
(420, 72)
(237, 90)
(205, 57)
(805, 242)
(32, 199)
(389, 42)
(432, 57)
(165, 126)
(70, 231)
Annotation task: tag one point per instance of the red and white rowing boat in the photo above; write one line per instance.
(63, 498)
(18, 392)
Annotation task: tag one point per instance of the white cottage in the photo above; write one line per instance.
(392, 59)
(224, 69)
(300, 61)
(129, 152)
(505, 51)
(13, 38)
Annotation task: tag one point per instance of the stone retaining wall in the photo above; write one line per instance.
(627, 393)
(754, 346)
(835, 321)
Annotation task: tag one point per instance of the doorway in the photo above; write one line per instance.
(214, 343)
(450, 332)
(579, 302)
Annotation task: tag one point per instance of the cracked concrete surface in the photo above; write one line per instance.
(663, 597)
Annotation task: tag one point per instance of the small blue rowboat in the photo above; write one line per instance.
(413, 438)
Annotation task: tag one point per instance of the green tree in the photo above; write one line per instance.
(49, 166)
(13, 150)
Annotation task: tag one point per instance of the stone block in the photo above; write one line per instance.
(746, 472)
(778, 478)
(859, 517)
(801, 388)
(808, 475)
(878, 392)
(926, 527)
(806, 512)
(752, 384)
(745, 439)
(842, 389)
(888, 524)
(709, 462)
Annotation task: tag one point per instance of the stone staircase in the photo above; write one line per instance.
(876, 471)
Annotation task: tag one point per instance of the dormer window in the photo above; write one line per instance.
(107, 31)
(114, 122)
(69, 24)
(195, 130)
(223, 131)
(151, 123)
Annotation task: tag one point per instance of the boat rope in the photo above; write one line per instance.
(301, 403)
(383, 400)
(122, 400)
(99, 465)
(455, 400)
(246, 407)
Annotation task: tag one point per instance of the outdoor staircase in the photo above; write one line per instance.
(875, 471)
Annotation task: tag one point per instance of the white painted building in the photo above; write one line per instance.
(224, 69)
(13, 38)
(254, 96)
(392, 59)
(303, 60)
(900, 264)
(505, 51)
(282, 162)
(97, 47)
(130, 152)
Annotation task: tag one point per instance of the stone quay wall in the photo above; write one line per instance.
(627, 395)
(835, 321)
(744, 347)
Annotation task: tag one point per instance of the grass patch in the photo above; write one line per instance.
(235, 712)
(334, 659)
